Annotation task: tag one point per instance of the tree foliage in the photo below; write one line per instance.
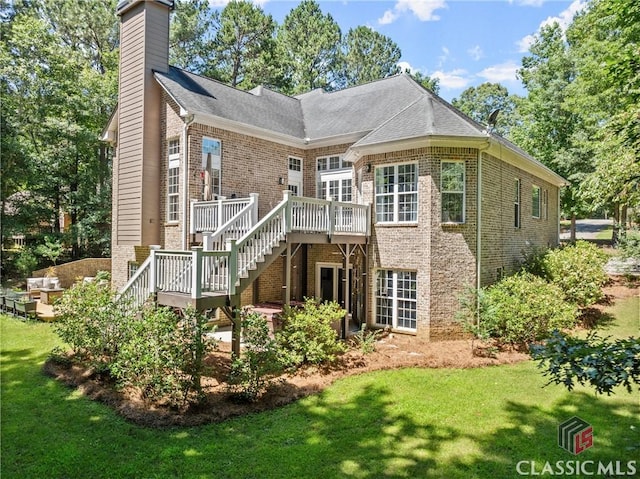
(245, 46)
(191, 36)
(479, 102)
(596, 362)
(310, 44)
(368, 56)
(58, 63)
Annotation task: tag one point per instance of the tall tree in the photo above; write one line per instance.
(550, 129)
(605, 41)
(368, 56)
(59, 83)
(245, 46)
(479, 102)
(191, 36)
(309, 43)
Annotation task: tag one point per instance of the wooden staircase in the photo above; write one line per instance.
(238, 252)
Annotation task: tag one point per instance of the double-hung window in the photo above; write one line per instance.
(452, 188)
(173, 180)
(397, 193)
(396, 299)
(516, 205)
(535, 202)
(334, 178)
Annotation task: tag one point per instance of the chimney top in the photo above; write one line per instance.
(124, 5)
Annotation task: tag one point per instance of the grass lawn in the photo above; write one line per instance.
(414, 423)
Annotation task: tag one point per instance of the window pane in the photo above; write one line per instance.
(384, 298)
(408, 207)
(346, 190)
(535, 199)
(452, 207)
(295, 164)
(322, 164)
(407, 178)
(385, 179)
(453, 176)
(334, 162)
(384, 208)
(334, 189)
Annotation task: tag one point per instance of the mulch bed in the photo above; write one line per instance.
(392, 352)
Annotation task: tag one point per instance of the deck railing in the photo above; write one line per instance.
(311, 215)
(210, 215)
(197, 271)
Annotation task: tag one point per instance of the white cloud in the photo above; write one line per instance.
(501, 73)
(406, 67)
(564, 19)
(388, 17)
(525, 42)
(475, 53)
(455, 79)
(423, 9)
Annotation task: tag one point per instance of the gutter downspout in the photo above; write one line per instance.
(189, 119)
(479, 227)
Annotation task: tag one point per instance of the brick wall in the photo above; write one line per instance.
(453, 247)
(503, 244)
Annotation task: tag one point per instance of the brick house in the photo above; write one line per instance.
(382, 196)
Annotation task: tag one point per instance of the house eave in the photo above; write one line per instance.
(488, 144)
(243, 128)
(109, 134)
(508, 155)
(356, 152)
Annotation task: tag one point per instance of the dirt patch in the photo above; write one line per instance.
(392, 352)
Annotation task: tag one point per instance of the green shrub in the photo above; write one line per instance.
(307, 336)
(162, 354)
(365, 339)
(578, 270)
(519, 309)
(594, 361)
(534, 260)
(90, 323)
(475, 313)
(26, 262)
(260, 364)
(629, 243)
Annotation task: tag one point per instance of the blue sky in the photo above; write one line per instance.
(462, 43)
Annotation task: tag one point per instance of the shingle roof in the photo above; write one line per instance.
(358, 109)
(384, 111)
(262, 108)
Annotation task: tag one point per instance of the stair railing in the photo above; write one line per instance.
(247, 251)
(235, 227)
(138, 289)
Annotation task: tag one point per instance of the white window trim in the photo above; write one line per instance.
(395, 299)
(518, 202)
(219, 157)
(334, 175)
(295, 176)
(173, 164)
(396, 194)
(534, 188)
(464, 192)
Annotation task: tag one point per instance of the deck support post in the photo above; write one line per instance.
(287, 276)
(236, 332)
(347, 288)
